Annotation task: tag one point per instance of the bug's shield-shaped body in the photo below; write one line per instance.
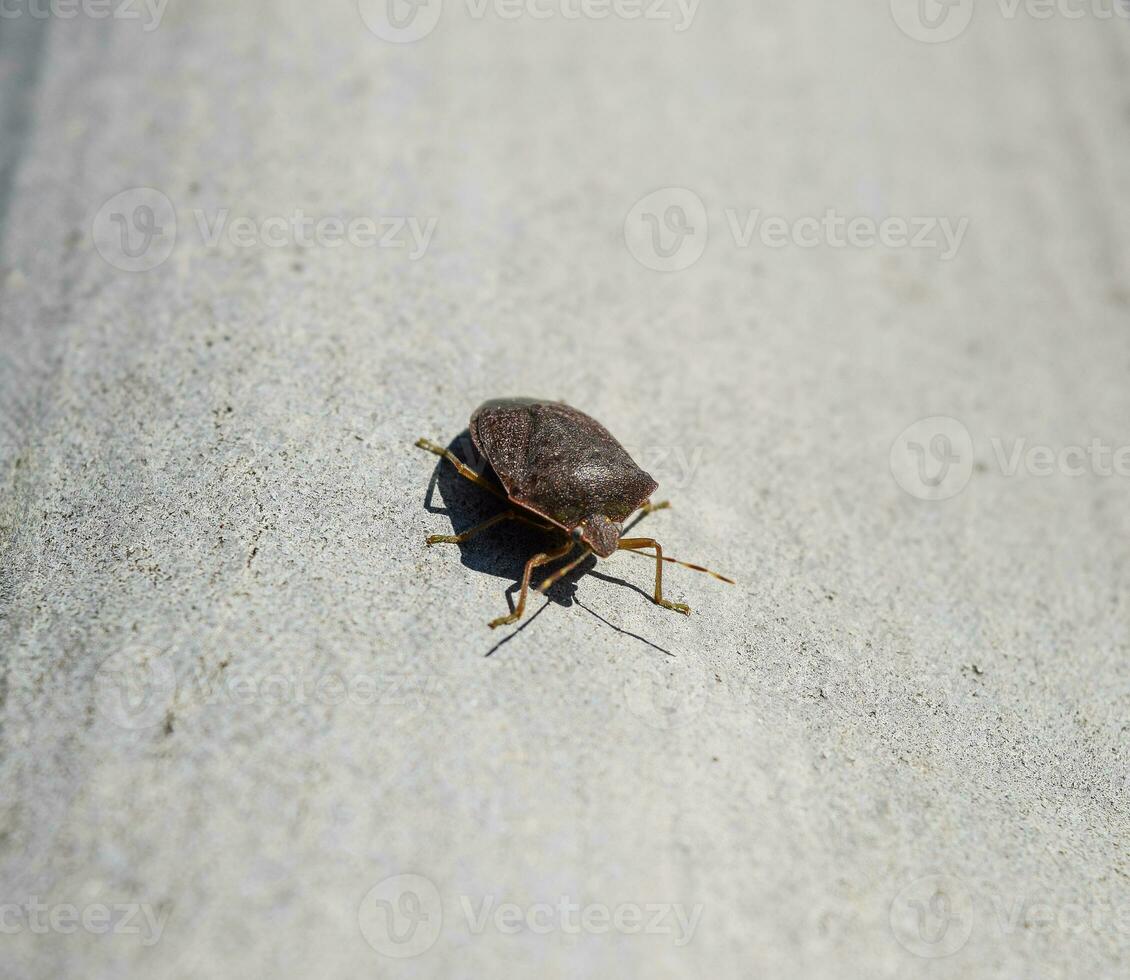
(563, 465)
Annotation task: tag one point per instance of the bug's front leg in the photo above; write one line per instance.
(646, 508)
(468, 534)
(542, 559)
(461, 468)
(631, 544)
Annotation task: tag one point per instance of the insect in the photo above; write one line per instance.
(560, 471)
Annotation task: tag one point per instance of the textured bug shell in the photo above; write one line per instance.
(561, 464)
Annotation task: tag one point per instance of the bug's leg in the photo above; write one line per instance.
(543, 559)
(646, 508)
(547, 583)
(508, 515)
(468, 534)
(462, 468)
(631, 544)
(686, 564)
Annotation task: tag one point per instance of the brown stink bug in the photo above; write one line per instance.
(562, 472)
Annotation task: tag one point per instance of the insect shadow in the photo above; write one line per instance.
(501, 551)
(504, 550)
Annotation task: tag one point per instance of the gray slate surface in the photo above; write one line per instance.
(903, 734)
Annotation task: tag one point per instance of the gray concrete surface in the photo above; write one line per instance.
(241, 700)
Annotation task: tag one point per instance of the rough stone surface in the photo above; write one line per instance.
(238, 692)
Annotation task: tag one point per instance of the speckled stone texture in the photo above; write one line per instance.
(241, 699)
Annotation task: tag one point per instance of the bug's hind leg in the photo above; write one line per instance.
(542, 559)
(508, 515)
(462, 468)
(631, 544)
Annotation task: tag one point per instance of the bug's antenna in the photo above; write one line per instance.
(562, 572)
(685, 564)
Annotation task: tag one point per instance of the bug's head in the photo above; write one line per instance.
(600, 533)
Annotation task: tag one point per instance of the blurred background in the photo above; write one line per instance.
(850, 279)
